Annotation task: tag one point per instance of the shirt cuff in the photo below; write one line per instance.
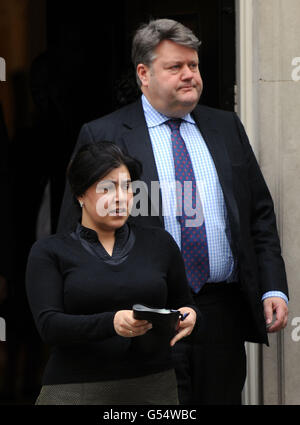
(275, 294)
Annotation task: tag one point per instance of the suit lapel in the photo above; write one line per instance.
(138, 145)
(219, 153)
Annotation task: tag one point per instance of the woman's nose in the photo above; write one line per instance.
(121, 195)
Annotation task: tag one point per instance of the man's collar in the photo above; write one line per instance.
(155, 118)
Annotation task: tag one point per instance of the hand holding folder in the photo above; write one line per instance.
(165, 323)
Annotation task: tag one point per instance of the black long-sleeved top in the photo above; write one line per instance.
(74, 295)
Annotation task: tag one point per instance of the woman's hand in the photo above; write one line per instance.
(126, 325)
(185, 326)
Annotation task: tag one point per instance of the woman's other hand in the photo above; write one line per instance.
(185, 326)
(126, 325)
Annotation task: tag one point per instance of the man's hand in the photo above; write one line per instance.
(278, 306)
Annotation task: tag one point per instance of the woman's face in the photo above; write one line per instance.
(106, 204)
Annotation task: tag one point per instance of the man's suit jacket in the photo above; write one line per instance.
(254, 238)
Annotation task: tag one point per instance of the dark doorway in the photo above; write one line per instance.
(85, 73)
(89, 61)
(90, 47)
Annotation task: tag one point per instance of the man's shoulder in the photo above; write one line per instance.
(208, 117)
(112, 125)
(117, 116)
(211, 112)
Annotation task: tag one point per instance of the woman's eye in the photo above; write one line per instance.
(105, 188)
(110, 187)
(126, 186)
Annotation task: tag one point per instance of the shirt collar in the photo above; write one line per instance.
(91, 235)
(155, 118)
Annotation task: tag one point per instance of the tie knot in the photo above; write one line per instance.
(174, 124)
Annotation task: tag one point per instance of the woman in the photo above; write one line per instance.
(82, 285)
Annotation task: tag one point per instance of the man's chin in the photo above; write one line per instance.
(189, 98)
(187, 105)
(181, 107)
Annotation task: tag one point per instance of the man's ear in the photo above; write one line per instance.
(143, 72)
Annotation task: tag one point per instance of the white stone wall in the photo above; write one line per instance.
(276, 43)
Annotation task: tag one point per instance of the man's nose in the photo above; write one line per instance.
(187, 73)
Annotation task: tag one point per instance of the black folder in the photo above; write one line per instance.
(164, 325)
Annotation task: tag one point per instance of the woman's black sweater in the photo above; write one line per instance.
(74, 296)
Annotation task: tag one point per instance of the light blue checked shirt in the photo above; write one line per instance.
(221, 261)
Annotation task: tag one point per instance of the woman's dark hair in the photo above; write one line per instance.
(93, 161)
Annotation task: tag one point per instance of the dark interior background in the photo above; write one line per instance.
(83, 72)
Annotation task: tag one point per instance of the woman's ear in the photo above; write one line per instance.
(81, 203)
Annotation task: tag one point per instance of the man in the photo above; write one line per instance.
(232, 257)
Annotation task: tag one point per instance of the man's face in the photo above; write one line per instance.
(172, 83)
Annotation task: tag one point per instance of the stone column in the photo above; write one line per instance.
(276, 45)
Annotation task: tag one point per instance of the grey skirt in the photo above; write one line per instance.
(158, 388)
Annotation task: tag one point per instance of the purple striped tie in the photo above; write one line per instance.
(194, 247)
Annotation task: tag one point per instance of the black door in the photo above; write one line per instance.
(89, 48)
(89, 66)
(85, 73)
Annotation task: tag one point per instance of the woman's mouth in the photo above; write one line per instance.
(119, 211)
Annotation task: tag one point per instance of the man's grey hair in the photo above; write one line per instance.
(148, 36)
